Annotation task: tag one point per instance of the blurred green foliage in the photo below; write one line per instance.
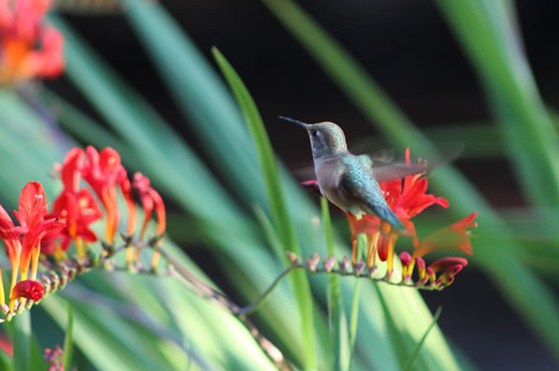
(123, 321)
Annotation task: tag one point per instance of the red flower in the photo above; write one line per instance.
(10, 234)
(31, 216)
(150, 200)
(34, 225)
(6, 346)
(49, 60)
(75, 206)
(28, 48)
(77, 211)
(103, 173)
(407, 197)
(28, 289)
(72, 168)
(449, 268)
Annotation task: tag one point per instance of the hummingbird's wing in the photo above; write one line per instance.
(385, 173)
(384, 168)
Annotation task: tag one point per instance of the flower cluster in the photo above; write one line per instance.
(91, 181)
(77, 206)
(29, 48)
(407, 197)
(23, 242)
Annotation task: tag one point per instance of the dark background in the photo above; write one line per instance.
(408, 49)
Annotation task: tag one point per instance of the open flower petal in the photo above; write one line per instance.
(454, 236)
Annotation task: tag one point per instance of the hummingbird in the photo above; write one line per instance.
(349, 181)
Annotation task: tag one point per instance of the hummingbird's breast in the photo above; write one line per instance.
(329, 173)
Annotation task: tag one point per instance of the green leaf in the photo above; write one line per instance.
(101, 332)
(488, 33)
(21, 337)
(336, 315)
(201, 97)
(36, 359)
(6, 362)
(18, 121)
(409, 364)
(276, 198)
(268, 165)
(68, 340)
(81, 126)
(354, 319)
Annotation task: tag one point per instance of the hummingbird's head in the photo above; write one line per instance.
(326, 137)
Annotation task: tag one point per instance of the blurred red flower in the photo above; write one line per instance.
(28, 47)
(28, 289)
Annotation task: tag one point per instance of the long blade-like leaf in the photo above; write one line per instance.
(19, 331)
(69, 340)
(276, 196)
(338, 322)
(488, 34)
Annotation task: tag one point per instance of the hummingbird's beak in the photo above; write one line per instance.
(293, 121)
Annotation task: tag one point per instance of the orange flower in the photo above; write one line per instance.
(28, 48)
(455, 236)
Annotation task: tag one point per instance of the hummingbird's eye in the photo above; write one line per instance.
(314, 133)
